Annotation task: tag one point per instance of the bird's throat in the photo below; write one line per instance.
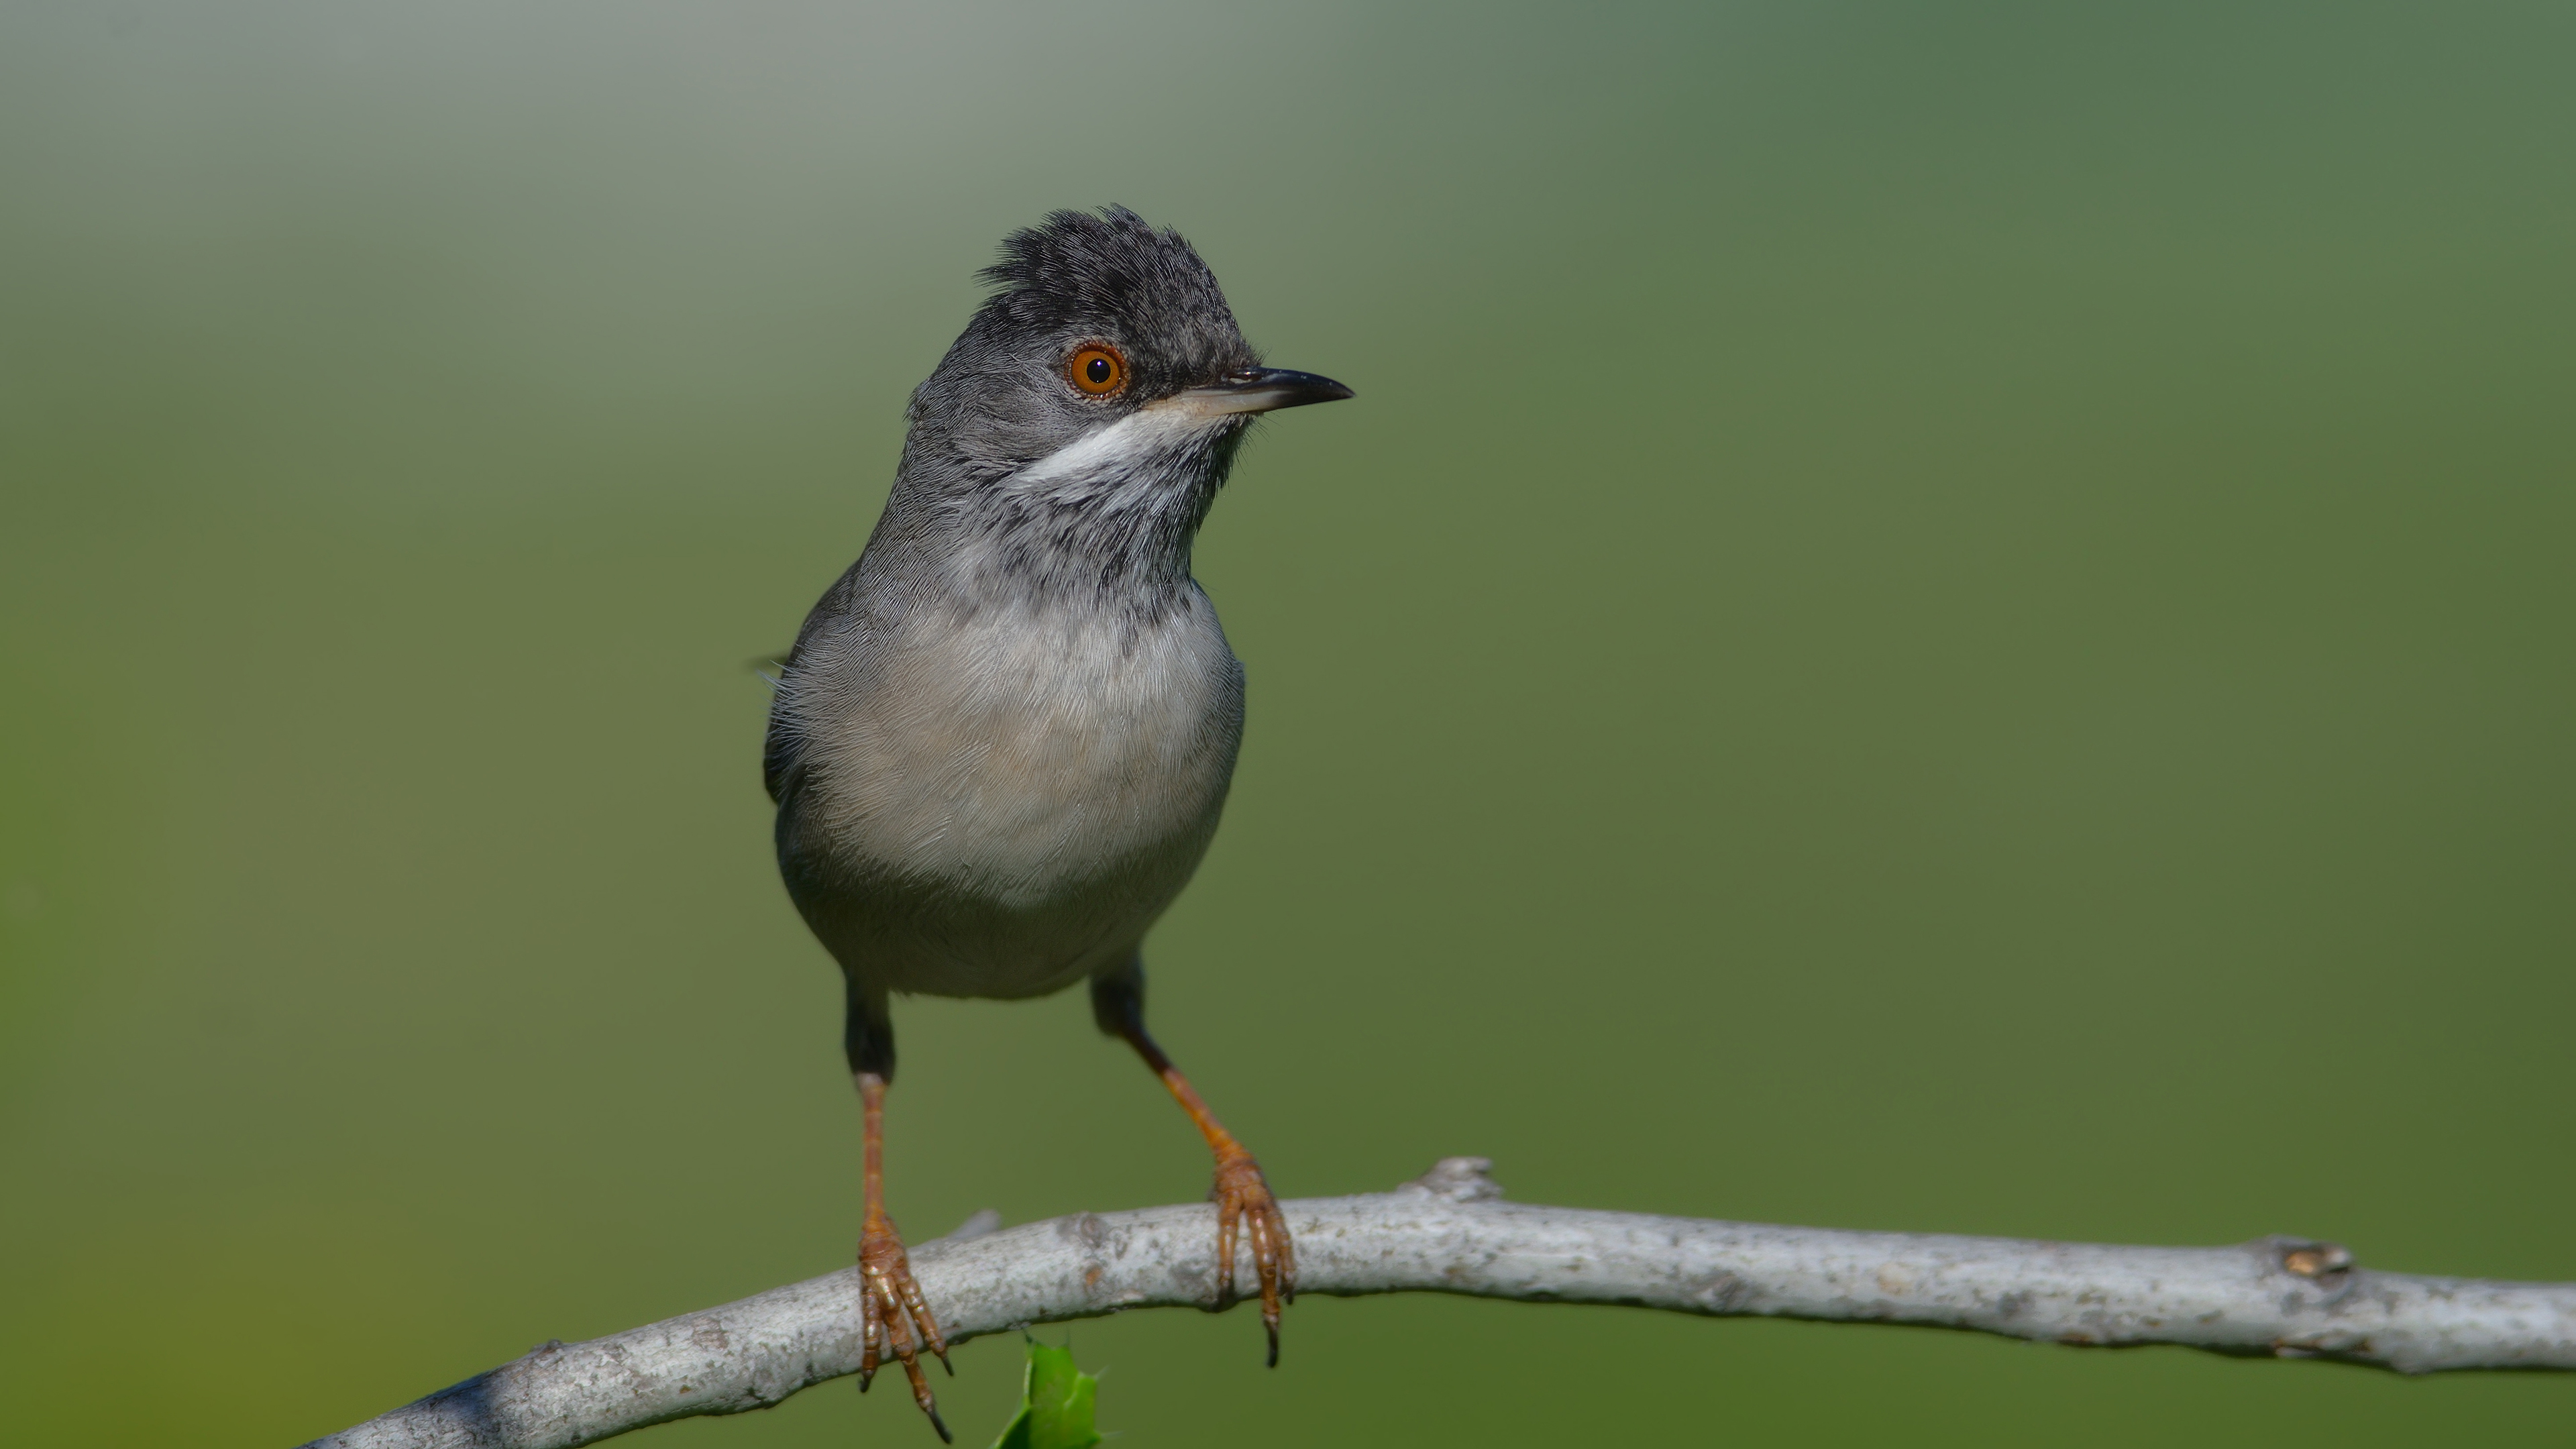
(1109, 519)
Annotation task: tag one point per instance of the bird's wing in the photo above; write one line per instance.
(778, 750)
(783, 757)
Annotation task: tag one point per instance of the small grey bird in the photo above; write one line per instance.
(1001, 743)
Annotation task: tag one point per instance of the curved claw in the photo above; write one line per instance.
(1244, 1203)
(895, 1320)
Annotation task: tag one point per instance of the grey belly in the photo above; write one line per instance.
(907, 933)
(999, 814)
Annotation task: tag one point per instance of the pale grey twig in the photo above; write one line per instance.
(1451, 1232)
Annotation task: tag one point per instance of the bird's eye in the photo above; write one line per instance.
(1097, 370)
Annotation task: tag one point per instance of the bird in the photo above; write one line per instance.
(1001, 743)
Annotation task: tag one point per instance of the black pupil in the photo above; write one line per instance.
(1097, 369)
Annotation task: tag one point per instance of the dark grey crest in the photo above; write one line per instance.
(1120, 277)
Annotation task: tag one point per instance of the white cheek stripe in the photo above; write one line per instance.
(1154, 430)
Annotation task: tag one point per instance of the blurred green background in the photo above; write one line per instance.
(1934, 617)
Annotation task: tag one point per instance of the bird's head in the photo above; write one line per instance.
(1105, 376)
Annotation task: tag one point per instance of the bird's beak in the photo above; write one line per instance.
(1261, 390)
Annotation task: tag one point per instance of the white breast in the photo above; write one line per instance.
(1016, 755)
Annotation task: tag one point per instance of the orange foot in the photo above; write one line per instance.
(890, 1309)
(1244, 1202)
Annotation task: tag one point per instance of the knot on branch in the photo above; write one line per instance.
(2320, 1261)
(1459, 1179)
(2329, 1266)
(2320, 1277)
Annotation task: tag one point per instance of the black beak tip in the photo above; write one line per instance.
(1298, 389)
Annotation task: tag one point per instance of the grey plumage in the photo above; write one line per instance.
(1001, 743)
(1003, 739)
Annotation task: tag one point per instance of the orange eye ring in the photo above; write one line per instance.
(1096, 369)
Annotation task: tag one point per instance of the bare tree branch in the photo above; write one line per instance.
(1450, 1232)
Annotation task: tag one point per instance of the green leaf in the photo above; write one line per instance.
(1055, 1404)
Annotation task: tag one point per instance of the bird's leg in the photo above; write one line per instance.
(891, 1307)
(1244, 1203)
